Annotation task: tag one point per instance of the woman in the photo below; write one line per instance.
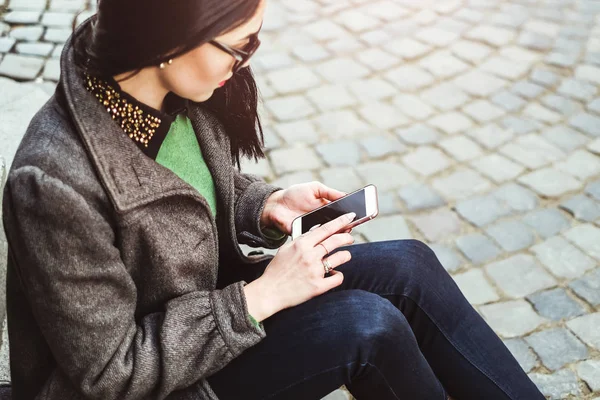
(124, 212)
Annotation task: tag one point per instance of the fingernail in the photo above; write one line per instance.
(350, 216)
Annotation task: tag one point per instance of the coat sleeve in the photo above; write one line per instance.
(84, 300)
(251, 194)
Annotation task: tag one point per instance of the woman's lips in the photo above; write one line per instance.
(221, 84)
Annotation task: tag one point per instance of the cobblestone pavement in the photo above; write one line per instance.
(478, 120)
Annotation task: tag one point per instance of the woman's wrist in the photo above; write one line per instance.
(260, 301)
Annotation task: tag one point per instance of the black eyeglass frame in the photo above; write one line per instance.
(241, 56)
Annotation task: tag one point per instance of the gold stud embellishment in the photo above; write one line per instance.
(137, 124)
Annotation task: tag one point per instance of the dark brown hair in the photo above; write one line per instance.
(128, 35)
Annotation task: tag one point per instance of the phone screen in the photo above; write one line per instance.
(352, 203)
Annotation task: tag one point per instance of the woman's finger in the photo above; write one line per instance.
(339, 258)
(336, 241)
(324, 231)
(325, 192)
(335, 279)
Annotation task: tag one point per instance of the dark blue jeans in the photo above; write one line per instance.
(397, 328)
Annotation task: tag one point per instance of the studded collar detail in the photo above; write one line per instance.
(146, 126)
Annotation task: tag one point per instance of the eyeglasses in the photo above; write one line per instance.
(242, 57)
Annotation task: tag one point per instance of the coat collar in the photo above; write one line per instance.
(130, 177)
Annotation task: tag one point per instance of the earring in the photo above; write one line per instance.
(162, 65)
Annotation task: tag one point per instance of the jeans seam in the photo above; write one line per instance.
(456, 347)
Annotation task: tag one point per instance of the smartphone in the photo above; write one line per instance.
(363, 202)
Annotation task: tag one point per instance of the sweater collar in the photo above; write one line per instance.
(145, 125)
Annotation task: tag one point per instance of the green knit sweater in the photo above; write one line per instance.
(181, 153)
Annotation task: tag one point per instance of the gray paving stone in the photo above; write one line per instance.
(532, 151)
(22, 17)
(594, 105)
(535, 41)
(341, 70)
(541, 113)
(408, 48)
(562, 258)
(412, 106)
(388, 203)
(337, 395)
(516, 197)
(443, 64)
(544, 77)
(594, 147)
(378, 173)
(409, 78)
(437, 225)
(557, 386)
(477, 248)
(562, 59)
(528, 90)
(508, 101)
(21, 67)
(521, 351)
(310, 52)
(511, 235)
(469, 15)
(294, 159)
(345, 46)
(582, 208)
(426, 161)
(297, 132)
(343, 123)
(577, 89)
(586, 328)
(293, 79)
(377, 59)
(324, 30)
(57, 35)
(260, 168)
(505, 68)
(52, 70)
(420, 197)
(586, 123)
(498, 168)
(593, 189)
(511, 318)
(491, 35)
(290, 108)
(385, 228)
(557, 347)
(521, 126)
(447, 257)
(386, 10)
(475, 287)
(445, 96)
(589, 371)
(461, 184)
(550, 182)
(273, 61)
(520, 275)
(381, 146)
(588, 73)
(482, 210)
(547, 222)
(4, 28)
(27, 33)
(330, 97)
(272, 141)
(586, 237)
(367, 90)
(561, 104)
(293, 178)
(418, 134)
(435, 36)
(461, 148)
(479, 83)
(341, 178)
(67, 5)
(35, 49)
(339, 153)
(6, 44)
(58, 19)
(491, 135)
(483, 111)
(383, 116)
(451, 122)
(356, 21)
(556, 304)
(472, 52)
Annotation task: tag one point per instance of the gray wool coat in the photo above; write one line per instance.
(113, 260)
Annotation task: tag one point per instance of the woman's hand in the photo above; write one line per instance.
(284, 206)
(296, 274)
